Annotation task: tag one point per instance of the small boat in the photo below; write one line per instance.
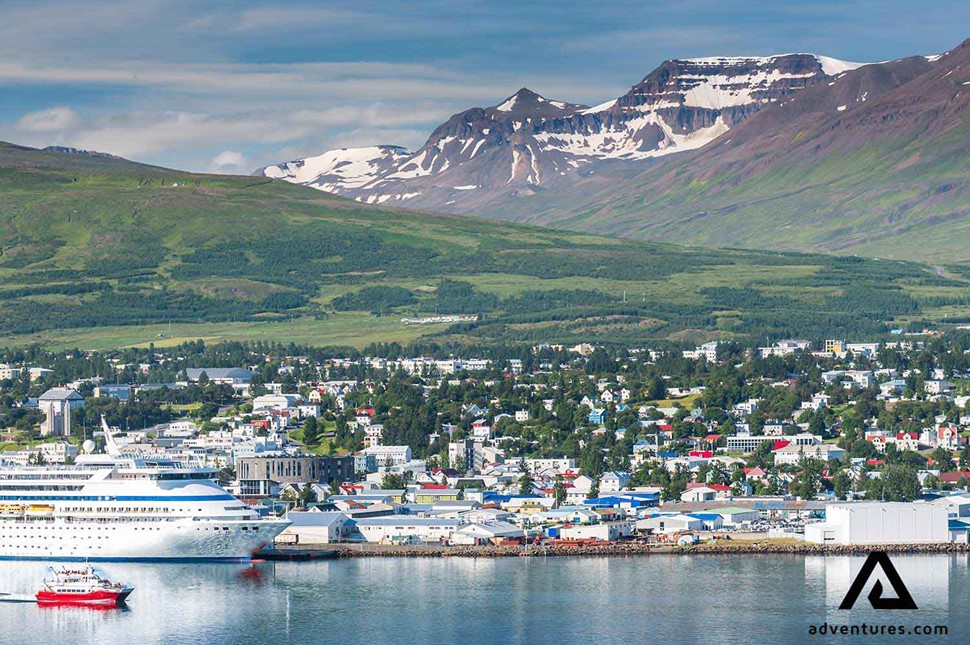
(81, 586)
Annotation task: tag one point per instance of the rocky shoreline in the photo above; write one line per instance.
(718, 548)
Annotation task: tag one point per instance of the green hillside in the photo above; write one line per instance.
(874, 163)
(104, 252)
(899, 198)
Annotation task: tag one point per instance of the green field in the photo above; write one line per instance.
(104, 253)
(355, 329)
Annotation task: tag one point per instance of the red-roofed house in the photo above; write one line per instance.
(945, 436)
(755, 474)
(907, 441)
(957, 477)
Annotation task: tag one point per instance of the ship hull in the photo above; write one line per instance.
(99, 598)
(181, 540)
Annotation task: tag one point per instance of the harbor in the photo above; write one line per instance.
(596, 549)
(465, 599)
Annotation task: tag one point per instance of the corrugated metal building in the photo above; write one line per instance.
(880, 523)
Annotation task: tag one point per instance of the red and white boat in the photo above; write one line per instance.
(81, 586)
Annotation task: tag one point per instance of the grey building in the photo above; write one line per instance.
(57, 404)
(227, 375)
(257, 475)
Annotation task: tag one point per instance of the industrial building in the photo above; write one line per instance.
(880, 523)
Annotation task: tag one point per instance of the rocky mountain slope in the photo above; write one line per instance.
(793, 152)
(875, 162)
(528, 143)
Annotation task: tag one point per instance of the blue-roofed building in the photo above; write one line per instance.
(712, 521)
(624, 499)
(597, 416)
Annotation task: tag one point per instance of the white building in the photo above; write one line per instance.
(9, 373)
(792, 454)
(37, 373)
(407, 529)
(390, 455)
(751, 442)
(604, 531)
(706, 352)
(486, 533)
(317, 527)
(373, 434)
(937, 386)
(880, 523)
(559, 465)
(784, 348)
(276, 402)
(670, 523)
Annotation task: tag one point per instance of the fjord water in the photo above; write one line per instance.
(660, 598)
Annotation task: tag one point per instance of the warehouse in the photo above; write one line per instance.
(604, 531)
(880, 523)
(317, 527)
(670, 523)
(406, 529)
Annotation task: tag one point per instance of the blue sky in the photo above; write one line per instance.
(230, 86)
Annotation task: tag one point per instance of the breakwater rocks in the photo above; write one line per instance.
(617, 549)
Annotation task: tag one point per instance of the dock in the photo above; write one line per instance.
(295, 554)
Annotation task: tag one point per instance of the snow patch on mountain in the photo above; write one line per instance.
(339, 169)
(527, 142)
(834, 66)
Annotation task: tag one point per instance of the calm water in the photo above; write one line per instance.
(767, 599)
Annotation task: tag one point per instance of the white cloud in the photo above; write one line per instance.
(141, 134)
(265, 19)
(229, 161)
(55, 119)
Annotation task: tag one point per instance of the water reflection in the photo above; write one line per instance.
(926, 578)
(656, 598)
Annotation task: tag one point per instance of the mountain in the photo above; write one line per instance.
(874, 162)
(528, 143)
(102, 252)
(792, 152)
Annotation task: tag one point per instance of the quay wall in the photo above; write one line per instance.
(612, 549)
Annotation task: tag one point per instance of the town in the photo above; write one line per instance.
(798, 440)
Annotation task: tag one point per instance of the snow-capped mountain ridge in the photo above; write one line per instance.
(528, 142)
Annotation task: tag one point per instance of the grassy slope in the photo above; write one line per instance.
(856, 199)
(886, 178)
(163, 256)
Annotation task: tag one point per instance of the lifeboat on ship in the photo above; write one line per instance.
(40, 510)
(11, 510)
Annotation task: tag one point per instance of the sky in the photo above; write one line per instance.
(229, 86)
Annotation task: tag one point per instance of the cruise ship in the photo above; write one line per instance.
(117, 507)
